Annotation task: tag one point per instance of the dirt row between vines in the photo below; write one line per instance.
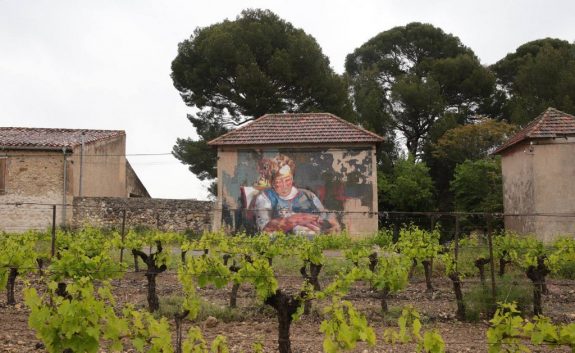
(258, 323)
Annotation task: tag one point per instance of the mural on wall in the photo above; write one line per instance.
(296, 191)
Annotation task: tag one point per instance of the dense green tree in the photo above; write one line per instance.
(472, 141)
(477, 186)
(451, 144)
(407, 188)
(235, 71)
(408, 77)
(538, 75)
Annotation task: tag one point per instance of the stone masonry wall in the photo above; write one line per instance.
(163, 214)
(34, 181)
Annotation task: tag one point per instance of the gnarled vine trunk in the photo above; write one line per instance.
(454, 277)
(179, 318)
(10, 300)
(285, 305)
(480, 264)
(312, 278)
(537, 275)
(152, 272)
(427, 269)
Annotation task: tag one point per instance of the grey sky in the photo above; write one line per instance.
(105, 64)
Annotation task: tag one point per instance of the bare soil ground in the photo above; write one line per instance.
(258, 323)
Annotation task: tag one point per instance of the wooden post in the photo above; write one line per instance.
(456, 249)
(53, 245)
(491, 260)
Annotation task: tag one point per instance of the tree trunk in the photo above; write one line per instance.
(153, 300)
(62, 291)
(373, 261)
(537, 275)
(313, 279)
(151, 273)
(236, 286)
(537, 302)
(412, 269)
(427, 269)
(136, 265)
(10, 300)
(285, 306)
(234, 295)
(460, 314)
(40, 263)
(178, 318)
(480, 264)
(503, 262)
(383, 300)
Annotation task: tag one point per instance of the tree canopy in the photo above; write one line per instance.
(472, 141)
(478, 186)
(235, 71)
(406, 78)
(414, 80)
(538, 75)
(407, 188)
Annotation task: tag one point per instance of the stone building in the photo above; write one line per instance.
(43, 167)
(538, 166)
(300, 173)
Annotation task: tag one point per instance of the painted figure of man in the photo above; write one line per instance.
(283, 207)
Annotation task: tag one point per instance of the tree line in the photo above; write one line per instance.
(419, 87)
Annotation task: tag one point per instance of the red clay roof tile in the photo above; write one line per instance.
(303, 128)
(550, 123)
(23, 137)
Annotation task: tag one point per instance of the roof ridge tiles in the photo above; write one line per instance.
(550, 123)
(312, 128)
(52, 137)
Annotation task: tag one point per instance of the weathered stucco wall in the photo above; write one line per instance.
(518, 189)
(103, 168)
(134, 184)
(163, 214)
(539, 179)
(343, 178)
(554, 173)
(33, 178)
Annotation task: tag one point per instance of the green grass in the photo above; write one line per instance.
(567, 271)
(171, 305)
(334, 265)
(478, 300)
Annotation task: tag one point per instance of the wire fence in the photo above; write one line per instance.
(453, 226)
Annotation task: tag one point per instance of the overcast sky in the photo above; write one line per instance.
(105, 64)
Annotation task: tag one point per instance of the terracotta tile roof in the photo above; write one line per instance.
(23, 137)
(550, 123)
(304, 128)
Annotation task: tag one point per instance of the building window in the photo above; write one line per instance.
(3, 176)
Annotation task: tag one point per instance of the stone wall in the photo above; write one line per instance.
(164, 214)
(34, 182)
